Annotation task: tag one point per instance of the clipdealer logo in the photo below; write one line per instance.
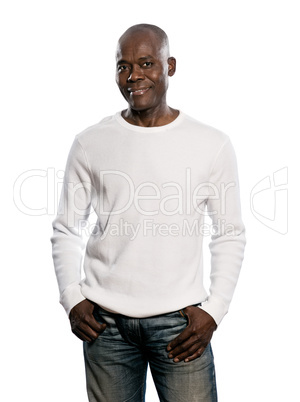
(183, 197)
(268, 197)
(269, 201)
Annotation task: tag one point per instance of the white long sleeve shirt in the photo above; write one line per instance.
(150, 189)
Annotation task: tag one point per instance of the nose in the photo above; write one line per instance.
(136, 74)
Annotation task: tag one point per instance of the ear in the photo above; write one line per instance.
(171, 66)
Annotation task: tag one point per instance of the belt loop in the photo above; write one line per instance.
(182, 313)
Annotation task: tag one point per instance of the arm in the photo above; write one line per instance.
(67, 240)
(68, 244)
(227, 251)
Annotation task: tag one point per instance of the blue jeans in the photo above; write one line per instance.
(116, 363)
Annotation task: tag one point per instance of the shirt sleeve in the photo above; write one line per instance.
(67, 240)
(228, 238)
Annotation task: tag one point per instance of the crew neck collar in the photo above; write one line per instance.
(140, 129)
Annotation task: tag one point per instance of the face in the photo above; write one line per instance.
(143, 68)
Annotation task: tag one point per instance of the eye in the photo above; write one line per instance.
(147, 64)
(122, 68)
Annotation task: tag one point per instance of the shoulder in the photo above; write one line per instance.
(96, 130)
(204, 132)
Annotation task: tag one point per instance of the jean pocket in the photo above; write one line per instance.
(183, 314)
(98, 313)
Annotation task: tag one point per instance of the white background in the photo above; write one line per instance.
(238, 70)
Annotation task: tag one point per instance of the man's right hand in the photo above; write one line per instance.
(83, 323)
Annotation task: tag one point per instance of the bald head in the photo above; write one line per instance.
(153, 31)
(143, 68)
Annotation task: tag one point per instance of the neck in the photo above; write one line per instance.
(159, 116)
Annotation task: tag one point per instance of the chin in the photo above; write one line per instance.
(140, 106)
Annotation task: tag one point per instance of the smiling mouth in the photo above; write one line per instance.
(136, 92)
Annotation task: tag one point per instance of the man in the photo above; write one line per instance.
(151, 174)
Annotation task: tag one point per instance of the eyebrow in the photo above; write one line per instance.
(146, 57)
(140, 58)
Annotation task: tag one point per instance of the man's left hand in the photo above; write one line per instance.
(191, 343)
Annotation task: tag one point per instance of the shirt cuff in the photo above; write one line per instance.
(71, 296)
(215, 308)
